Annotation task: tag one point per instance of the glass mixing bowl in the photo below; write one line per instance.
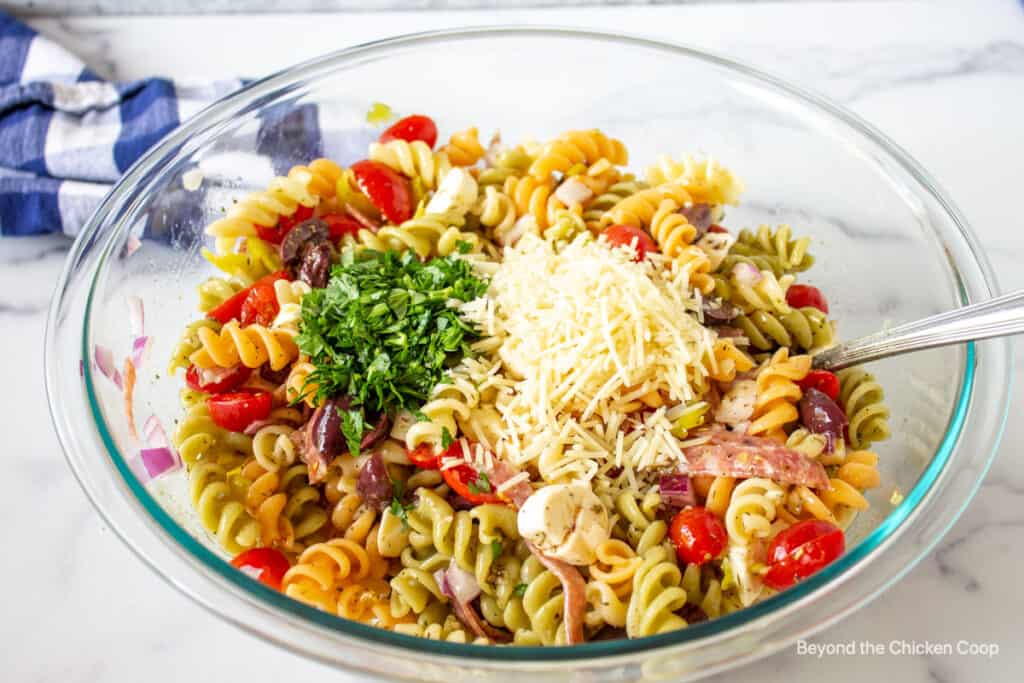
(890, 246)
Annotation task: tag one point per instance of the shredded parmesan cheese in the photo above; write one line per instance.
(580, 334)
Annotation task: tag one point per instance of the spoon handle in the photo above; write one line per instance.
(997, 317)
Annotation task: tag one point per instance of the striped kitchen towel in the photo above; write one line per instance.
(66, 134)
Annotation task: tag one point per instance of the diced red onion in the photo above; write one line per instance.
(104, 359)
(746, 274)
(136, 316)
(158, 461)
(139, 348)
(822, 415)
(457, 583)
(153, 433)
(572, 191)
(676, 491)
(374, 484)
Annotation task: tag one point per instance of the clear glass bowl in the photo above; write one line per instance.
(890, 246)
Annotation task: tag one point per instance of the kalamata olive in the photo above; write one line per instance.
(309, 232)
(327, 436)
(821, 415)
(315, 267)
(718, 311)
(275, 376)
(374, 484)
(699, 216)
(379, 431)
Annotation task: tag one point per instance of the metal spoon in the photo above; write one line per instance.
(997, 317)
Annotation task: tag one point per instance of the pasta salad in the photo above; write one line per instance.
(515, 394)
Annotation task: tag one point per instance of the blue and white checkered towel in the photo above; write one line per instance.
(66, 135)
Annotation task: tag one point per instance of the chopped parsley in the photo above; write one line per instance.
(496, 549)
(520, 590)
(383, 333)
(481, 485)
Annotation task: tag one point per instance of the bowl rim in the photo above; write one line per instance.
(204, 125)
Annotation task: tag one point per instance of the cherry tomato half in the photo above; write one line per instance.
(424, 457)
(474, 486)
(234, 412)
(801, 550)
(699, 536)
(621, 235)
(265, 564)
(232, 308)
(412, 128)
(340, 225)
(224, 380)
(799, 296)
(822, 380)
(260, 306)
(387, 189)
(275, 233)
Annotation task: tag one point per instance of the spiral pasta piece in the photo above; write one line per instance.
(778, 394)
(577, 147)
(447, 401)
(752, 510)
(805, 329)
(413, 159)
(303, 186)
(862, 399)
(252, 346)
(189, 343)
(657, 596)
(216, 290)
(498, 212)
(728, 360)
(595, 209)
(791, 254)
(670, 229)
(638, 209)
(707, 181)
(464, 148)
(220, 509)
(255, 259)
(198, 438)
(289, 301)
(273, 448)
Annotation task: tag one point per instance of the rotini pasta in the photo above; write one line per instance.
(488, 423)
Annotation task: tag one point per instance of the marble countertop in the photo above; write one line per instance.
(945, 81)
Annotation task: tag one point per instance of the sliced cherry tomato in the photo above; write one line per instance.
(799, 296)
(424, 457)
(412, 128)
(801, 550)
(341, 225)
(621, 235)
(699, 536)
(260, 306)
(822, 380)
(225, 380)
(717, 228)
(275, 233)
(234, 412)
(232, 308)
(474, 486)
(387, 189)
(265, 564)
